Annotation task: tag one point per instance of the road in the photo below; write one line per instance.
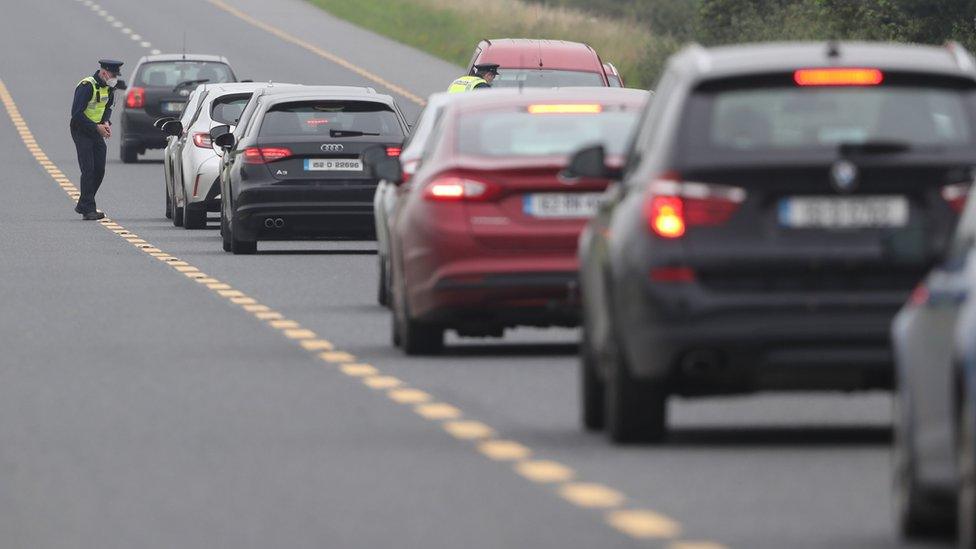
(140, 407)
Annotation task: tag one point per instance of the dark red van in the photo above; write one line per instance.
(541, 63)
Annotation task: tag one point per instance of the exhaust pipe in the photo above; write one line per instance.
(268, 223)
(279, 223)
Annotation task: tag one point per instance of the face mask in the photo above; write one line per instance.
(112, 82)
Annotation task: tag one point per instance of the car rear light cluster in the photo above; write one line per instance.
(136, 98)
(673, 205)
(956, 195)
(838, 76)
(393, 151)
(202, 140)
(263, 155)
(456, 189)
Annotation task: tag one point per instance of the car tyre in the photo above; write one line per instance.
(194, 216)
(177, 212)
(966, 460)
(128, 153)
(917, 513)
(225, 233)
(382, 289)
(416, 338)
(592, 388)
(169, 205)
(636, 410)
(242, 247)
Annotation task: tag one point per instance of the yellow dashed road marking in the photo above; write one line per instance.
(644, 524)
(591, 495)
(438, 410)
(504, 450)
(468, 430)
(358, 370)
(382, 382)
(545, 471)
(408, 396)
(316, 344)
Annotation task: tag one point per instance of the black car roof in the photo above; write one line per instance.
(773, 57)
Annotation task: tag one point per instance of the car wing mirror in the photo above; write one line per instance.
(217, 131)
(173, 127)
(225, 141)
(158, 124)
(590, 163)
(121, 85)
(382, 166)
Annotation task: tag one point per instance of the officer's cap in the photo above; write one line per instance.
(486, 68)
(112, 66)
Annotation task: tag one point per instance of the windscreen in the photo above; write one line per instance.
(546, 78)
(764, 121)
(520, 133)
(171, 73)
(228, 109)
(334, 119)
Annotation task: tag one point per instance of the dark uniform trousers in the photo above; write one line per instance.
(91, 159)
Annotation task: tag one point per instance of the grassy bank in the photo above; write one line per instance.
(450, 29)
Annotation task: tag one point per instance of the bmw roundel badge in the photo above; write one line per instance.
(843, 176)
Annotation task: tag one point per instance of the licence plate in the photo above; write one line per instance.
(333, 164)
(173, 106)
(564, 205)
(868, 212)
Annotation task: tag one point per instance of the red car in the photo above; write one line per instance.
(484, 234)
(533, 63)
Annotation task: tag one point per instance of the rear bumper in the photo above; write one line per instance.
(305, 213)
(483, 295)
(701, 344)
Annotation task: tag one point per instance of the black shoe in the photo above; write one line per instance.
(92, 216)
(78, 209)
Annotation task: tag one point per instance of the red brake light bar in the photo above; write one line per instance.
(393, 151)
(838, 77)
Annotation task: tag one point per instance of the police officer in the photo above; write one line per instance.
(482, 78)
(90, 127)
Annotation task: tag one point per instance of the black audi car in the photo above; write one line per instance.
(160, 87)
(293, 168)
(778, 205)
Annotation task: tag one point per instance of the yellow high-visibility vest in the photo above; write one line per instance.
(465, 84)
(99, 100)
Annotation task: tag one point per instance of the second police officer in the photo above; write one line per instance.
(90, 125)
(482, 77)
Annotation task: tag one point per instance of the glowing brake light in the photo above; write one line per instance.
(393, 151)
(202, 140)
(136, 98)
(263, 155)
(838, 77)
(673, 205)
(578, 108)
(451, 188)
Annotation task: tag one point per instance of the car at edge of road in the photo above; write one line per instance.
(536, 63)
(161, 85)
(779, 203)
(293, 168)
(193, 188)
(483, 236)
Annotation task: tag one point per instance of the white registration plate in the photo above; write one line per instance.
(173, 106)
(844, 212)
(333, 164)
(561, 205)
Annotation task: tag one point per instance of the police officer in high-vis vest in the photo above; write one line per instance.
(483, 75)
(90, 127)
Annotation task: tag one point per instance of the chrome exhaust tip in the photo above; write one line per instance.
(279, 223)
(268, 223)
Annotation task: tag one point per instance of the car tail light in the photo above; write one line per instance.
(410, 168)
(136, 98)
(202, 140)
(920, 296)
(672, 274)
(956, 195)
(838, 77)
(263, 155)
(393, 151)
(455, 189)
(673, 205)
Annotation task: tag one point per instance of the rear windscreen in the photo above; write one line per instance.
(170, 73)
(523, 134)
(545, 78)
(331, 119)
(764, 121)
(228, 109)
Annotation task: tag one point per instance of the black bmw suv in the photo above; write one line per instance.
(778, 205)
(294, 166)
(160, 87)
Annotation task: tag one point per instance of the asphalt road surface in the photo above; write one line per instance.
(142, 408)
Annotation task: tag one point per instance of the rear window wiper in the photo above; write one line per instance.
(349, 133)
(874, 147)
(186, 83)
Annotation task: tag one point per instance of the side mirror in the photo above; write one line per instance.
(158, 124)
(217, 131)
(225, 141)
(591, 163)
(173, 127)
(121, 85)
(387, 168)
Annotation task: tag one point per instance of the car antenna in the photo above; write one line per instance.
(184, 45)
(833, 49)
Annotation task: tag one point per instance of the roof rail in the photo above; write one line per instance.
(964, 60)
(702, 59)
(370, 90)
